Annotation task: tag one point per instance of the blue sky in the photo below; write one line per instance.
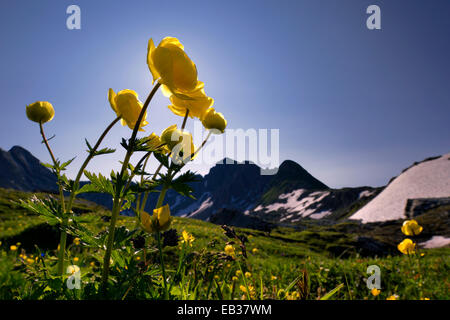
(354, 106)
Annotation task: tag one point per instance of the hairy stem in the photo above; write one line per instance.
(63, 236)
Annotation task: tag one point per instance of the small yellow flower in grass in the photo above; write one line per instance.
(411, 228)
(229, 250)
(138, 258)
(393, 297)
(238, 273)
(77, 241)
(40, 111)
(187, 238)
(30, 261)
(255, 250)
(407, 246)
(375, 292)
(73, 269)
(273, 278)
(18, 244)
(216, 277)
(92, 264)
(214, 120)
(76, 259)
(248, 274)
(13, 248)
(127, 105)
(234, 278)
(424, 298)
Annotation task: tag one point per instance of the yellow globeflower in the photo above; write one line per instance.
(126, 104)
(214, 120)
(186, 237)
(411, 228)
(160, 220)
(229, 250)
(248, 274)
(40, 111)
(76, 259)
(407, 246)
(154, 142)
(13, 248)
(76, 241)
(179, 142)
(171, 66)
(375, 292)
(197, 103)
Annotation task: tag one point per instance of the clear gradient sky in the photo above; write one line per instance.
(354, 106)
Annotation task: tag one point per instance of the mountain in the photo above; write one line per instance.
(20, 170)
(428, 179)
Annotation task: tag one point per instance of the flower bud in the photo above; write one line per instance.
(40, 111)
(214, 120)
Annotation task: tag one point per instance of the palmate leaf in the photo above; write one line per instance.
(76, 229)
(98, 152)
(181, 185)
(49, 208)
(162, 158)
(99, 183)
(66, 164)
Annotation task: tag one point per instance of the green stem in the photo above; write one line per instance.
(63, 236)
(158, 238)
(117, 200)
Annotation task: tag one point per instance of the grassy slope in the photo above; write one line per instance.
(284, 253)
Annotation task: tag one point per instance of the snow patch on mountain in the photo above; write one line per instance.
(297, 204)
(435, 242)
(428, 179)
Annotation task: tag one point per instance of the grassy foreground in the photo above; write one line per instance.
(278, 266)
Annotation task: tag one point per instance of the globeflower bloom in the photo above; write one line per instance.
(375, 292)
(171, 66)
(229, 250)
(407, 246)
(214, 120)
(187, 238)
(126, 104)
(154, 142)
(160, 221)
(40, 111)
(177, 142)
(197, 103)
(411, 228)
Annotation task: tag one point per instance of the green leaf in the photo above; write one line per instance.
(332, 292)
(48, 208)
(65, 164)
(162, 158)
(99, 183)
(181, 185)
